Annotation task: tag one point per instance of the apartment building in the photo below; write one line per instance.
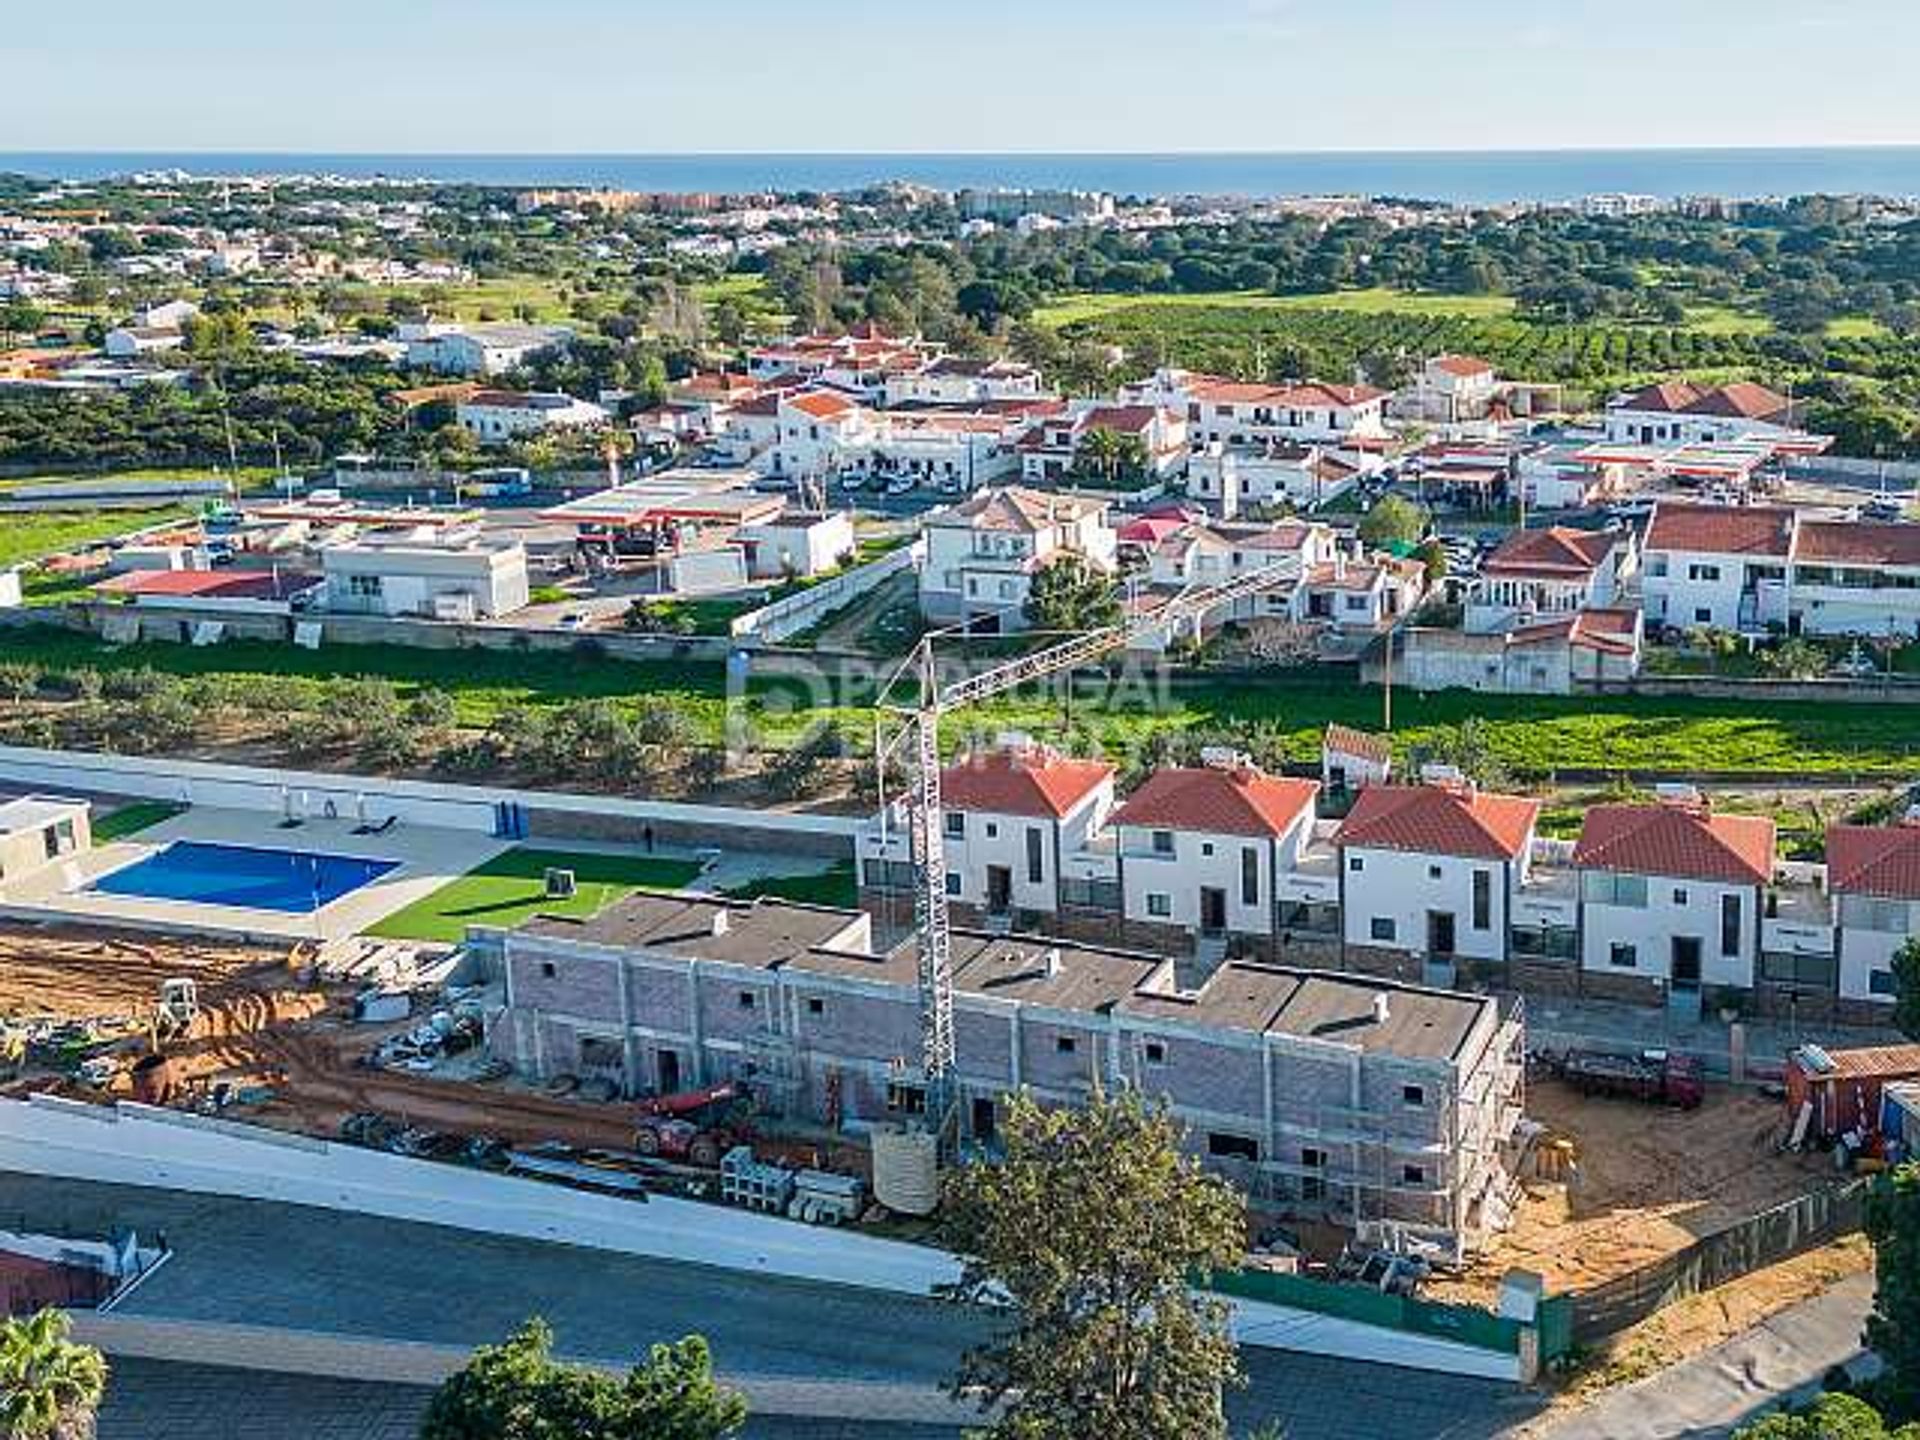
(1679, 412)
(1762, 568)
(983, 553)
(962, 380)
(1334, 1097)
(1671, 901)
(1246, 413)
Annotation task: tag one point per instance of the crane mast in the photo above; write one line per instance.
(926, 835)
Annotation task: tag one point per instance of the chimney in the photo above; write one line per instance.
(1053, 962)
(722, 921)
(1381, 1008)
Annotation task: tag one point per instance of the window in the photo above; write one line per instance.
(1880, 982)
(1622, 956)
(1249, 875)
(1156, 1052)
(993, 831)
(1702, 615)
(1415, 1095)
(1381, 928)
(1602, 888)
(746, 999)
(907, 1099)
(1819, 972)
(1232, 1147)
(815, 1005)
(1729, 924)
(1036, 867)
(1866, 912)
(1483, 899)
(548, 970)
(1356, 863)
(1433, 872)
(955, 824)
(1159, 905)
(364, 587)
(1313, 1187)
(953, 882)
(1703, 572)
(1679, 897)
(1206, 847)
(1413, 1174)
(1065, 1044)
(1163, 842)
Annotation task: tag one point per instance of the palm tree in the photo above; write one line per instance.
(50, 1387)
(1100, 451)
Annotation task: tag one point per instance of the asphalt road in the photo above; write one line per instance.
(260, 1263)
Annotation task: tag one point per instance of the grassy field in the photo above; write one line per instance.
(1379, 300)
(1533, 735)
(131, 820)
(1725, 320)
(833, 886)
(511, 888)
(31, 534)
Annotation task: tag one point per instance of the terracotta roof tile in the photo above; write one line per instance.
(1858, 542)
(1349, 741)
(1881, 860)
(1218, 801)
(1559, 550)
(1763, 530)
(1035, 783)
(1439, 820)
(1679, 841)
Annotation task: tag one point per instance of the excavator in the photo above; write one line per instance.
(695, 1126)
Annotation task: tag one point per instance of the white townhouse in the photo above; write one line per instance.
(962, 380)
(1207, 852)
(1679, 412)
(1545, 574)
(1760, 567)
(983, 553)
(1672, 897)
(1282, 473)
(495, 417)
(1873, 880)
(481, 349)
(1011, 817)
(1359, 595)
(1202, 555)
(1722, 566)
(1050, 452)
(1241, 413)
(1428, 877)
(864, 361)
(1452, 388)
(819, 432)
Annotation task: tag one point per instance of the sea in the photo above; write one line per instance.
(1480, 177)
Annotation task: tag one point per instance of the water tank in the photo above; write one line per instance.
(906, 1171)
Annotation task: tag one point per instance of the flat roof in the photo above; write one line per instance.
(764, 933)
(210, 584)
(30, 812)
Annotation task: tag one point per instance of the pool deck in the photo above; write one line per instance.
(426, 858)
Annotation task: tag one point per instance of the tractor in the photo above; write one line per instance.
(695, 1126)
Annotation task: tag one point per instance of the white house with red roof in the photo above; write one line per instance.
(1453, 388)
(1010, 816)
(1051, 451)
(1205, 852)
(1680, 412)
(1428, 875)
(1672, 896)
(1284, 472)
(1241, 412)
(818, 430)
(1355, 595)
(983, 553)
(963, 380)
(1550, 574)
(1873, 880)
(862, 362)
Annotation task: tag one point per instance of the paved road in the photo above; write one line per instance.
(1709, 1396)
(259, 1263)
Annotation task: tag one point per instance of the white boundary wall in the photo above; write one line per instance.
(132, 1144)
(783, 618)
(418, 802)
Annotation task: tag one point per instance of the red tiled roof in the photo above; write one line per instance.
(1858, 542)
(1439, 820)
(1765, 530)
(1741, 400)
(1461, 365)
(1881, 860)
(1679, 841)
(1559, 551)
(1218, 802)
(210, 584)
(1126, 419)
(1349, 741)
(1035, 783)
(821, 404)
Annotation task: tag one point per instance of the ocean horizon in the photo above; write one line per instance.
(1459, 177)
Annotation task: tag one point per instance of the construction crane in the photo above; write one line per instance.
(919, 738)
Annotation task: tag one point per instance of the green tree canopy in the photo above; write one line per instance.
(1893, 1329)
(1393, 521)
(1090, 1231)
(49, 1386)
(517, 1391)
(1070, 593)
(1831, 1417)
(1906, 989)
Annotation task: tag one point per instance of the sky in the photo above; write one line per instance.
(635, 76)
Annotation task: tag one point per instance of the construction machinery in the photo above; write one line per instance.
(177, 1008)
(918, 742)
(1653, 1076)
(697, 1126)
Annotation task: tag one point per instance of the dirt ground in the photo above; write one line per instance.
(1646, 1181)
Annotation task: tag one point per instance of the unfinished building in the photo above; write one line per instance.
(1337, 1097)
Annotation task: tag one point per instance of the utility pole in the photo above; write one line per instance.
(1386, 689)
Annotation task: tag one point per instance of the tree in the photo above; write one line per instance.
(1089, 1233)
(1893, 1329)
(1393, 521)
(1070, 593)
(1831, 1417)
(516, 1391)
(49, 1386)
(1906, 989)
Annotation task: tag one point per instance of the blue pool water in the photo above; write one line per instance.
(260, 879)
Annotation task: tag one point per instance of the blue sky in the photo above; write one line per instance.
(942, 75)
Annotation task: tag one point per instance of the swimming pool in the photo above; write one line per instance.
(260, 879)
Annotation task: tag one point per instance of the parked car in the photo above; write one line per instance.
(901, 486)
(575, 620)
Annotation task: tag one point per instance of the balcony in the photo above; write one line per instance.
(1799, 920)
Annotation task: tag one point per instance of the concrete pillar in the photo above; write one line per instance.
(1737, 1052)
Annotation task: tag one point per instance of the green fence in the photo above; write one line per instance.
(1467, 1324)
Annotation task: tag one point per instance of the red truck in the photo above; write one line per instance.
(696, 1126)
(1657, 1077)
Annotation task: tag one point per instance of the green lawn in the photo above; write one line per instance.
(1856, 327)
(131, 820)
(1376, 301)
(32, 534)
(834, 886)
(1725, 320)
(511, 888)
